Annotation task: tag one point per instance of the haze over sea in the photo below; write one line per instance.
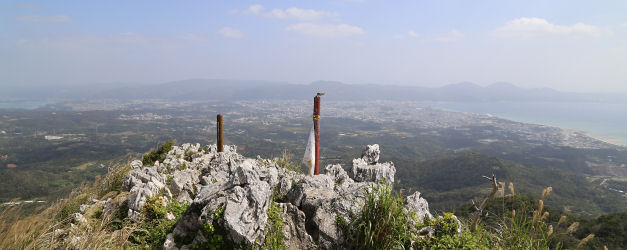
(21, 104)
(604, 121)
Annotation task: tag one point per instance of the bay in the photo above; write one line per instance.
(605, 121)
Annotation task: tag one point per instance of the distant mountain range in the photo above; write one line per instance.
(216, 89)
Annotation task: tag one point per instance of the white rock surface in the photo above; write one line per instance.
(234, 193)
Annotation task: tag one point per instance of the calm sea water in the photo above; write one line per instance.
(600, 120)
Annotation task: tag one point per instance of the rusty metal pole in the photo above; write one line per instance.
(316, 120)
(219, 133)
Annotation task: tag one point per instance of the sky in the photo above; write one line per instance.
(566, 45)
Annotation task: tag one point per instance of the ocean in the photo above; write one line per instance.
(604, 121)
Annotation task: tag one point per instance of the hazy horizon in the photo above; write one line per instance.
(574, 46)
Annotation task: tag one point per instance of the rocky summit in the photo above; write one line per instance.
(231, 195)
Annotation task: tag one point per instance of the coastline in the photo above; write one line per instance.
(572, 119)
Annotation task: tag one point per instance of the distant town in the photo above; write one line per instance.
(420, 114)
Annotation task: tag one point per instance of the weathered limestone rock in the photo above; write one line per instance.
(337, 173)
(169, 243)
(362, 172)
(459, 224)
(419, 205)
(182, 184)
(296, 237)
(79, 219)
(136, 164)
(297, 193)
(142, 184)
(371, 154)
(245, 214)
(235, 193)
(83, 208)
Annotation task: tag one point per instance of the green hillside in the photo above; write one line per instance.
(450, 182)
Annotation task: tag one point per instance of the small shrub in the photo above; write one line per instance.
(188, 155)
(446, 225)
(97, 214)
(216, 234)
(119, 216)
(447, 237)
(182, 166)
(155, 226)
(159, 154)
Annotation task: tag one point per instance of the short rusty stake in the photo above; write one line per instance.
(316, 120)
(219, 133)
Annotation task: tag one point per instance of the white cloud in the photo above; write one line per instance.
(450, 36)
(254, 9)
(231, 32)
(193, 37)
(625, 25)
(298, 13)
(526, 27)
(410, 33)
(44, 19)
(325, 30)
(289, 13)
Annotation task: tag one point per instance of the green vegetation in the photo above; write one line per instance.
(446, 236)
(72, 206)
(437, 162)
(275, 238)
(49, 169)
(567, 230)
(156, 225)
(449, 182)
(97, 214)
(609, 230)
(159, 154)
(100, 232)
(509, 222)
(215, 234)
(382, 223)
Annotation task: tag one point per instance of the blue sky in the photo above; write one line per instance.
(567, 45)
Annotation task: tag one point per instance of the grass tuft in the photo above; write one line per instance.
(285, 161)
(382, 224)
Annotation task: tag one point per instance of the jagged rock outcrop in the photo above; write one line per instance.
(232, 194)
(142, 183)
(419, 205)
(368, 169)
(371, 154)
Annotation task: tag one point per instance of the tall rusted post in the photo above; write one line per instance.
(316, 120)
(219, 133)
